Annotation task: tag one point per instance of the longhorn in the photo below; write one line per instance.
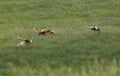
(23, 42)
(94, 28)
(44, 31)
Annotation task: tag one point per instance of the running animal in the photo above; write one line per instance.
(44, 31)
(23, 42)
(94, 28)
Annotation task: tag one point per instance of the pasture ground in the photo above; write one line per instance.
(73, 51)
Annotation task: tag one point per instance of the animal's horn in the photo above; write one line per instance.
(35, 29)
(19, 37)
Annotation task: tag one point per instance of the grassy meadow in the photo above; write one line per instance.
(73, 51)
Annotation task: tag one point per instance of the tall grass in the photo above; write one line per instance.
(95, 69)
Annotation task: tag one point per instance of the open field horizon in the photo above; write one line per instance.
(74, 47)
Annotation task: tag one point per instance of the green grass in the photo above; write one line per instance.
(95, 69)
(73, 47)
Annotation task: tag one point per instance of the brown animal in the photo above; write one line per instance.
(23, 42)
(44, 31)
(94, 28)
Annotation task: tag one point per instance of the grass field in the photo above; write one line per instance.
(73, 51)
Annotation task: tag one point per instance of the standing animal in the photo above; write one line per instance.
(44, 31)
(94, 28)
(23, 42)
